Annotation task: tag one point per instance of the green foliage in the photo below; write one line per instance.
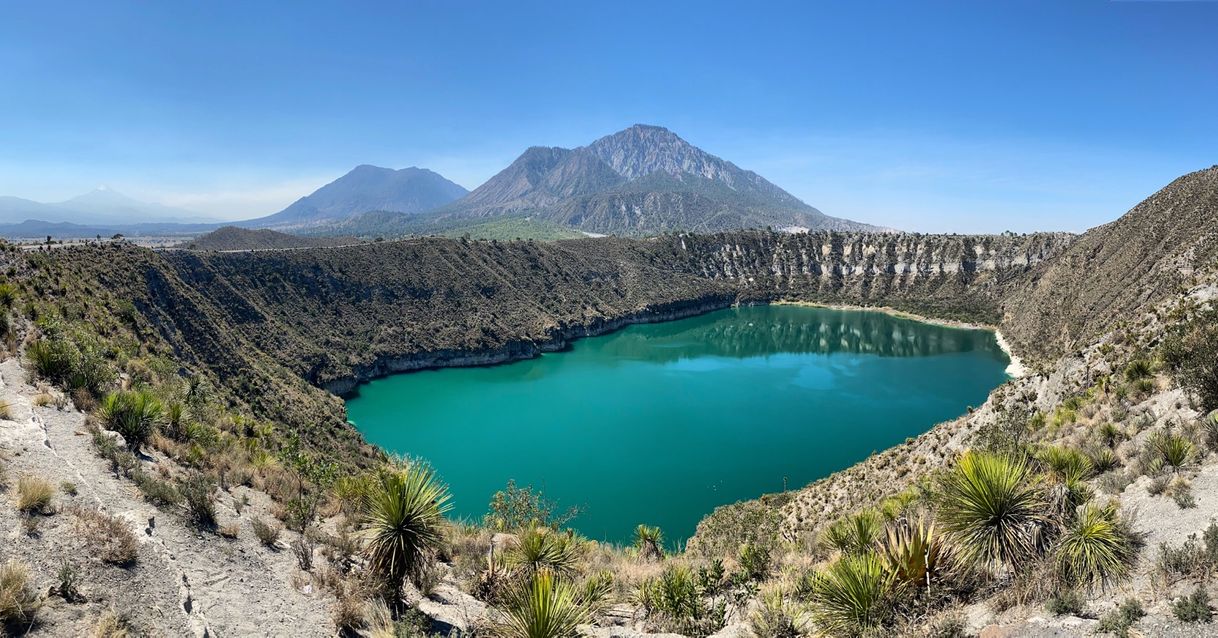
(1103, 460)
(1195, 557)
(649, 541)
(1194, 607)
(402, 522)
(1191, 353)
(755, 562)
(1169, 449)
(1065, 602)
(133, 414)
(1066, 465)
(856, 533)
(543, 548)
(776, 617)
(198, 495)
(1120, 620)
(914, 552)
(1096, 549)
(543, 606)
(516, 508)
(682, 602)
(1138, 369)
(993, 509)
(8, 295)
(852, 595)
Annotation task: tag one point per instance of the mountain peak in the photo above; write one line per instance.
(363, 189)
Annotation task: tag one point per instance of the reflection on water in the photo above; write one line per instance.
(795, 330)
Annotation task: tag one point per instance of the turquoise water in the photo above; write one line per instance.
(660, 423)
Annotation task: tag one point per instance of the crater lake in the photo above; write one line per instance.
(660, 423)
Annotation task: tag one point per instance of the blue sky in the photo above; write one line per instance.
(955, 117)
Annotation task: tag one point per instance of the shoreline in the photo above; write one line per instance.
(1015, 369)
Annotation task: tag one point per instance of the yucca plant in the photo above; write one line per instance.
(1110, 434)
(402, 522)
(913, 551)
(133, 414)
(543, 548)
(855, 533)
(851, 595)
(1173, 450)
(1103, 460)
(1065, 465)
(777, 617)
(1097, 549)
(993, 509)
(1138, 369)
(543, 606)
(649, 541)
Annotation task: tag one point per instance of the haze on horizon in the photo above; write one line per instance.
(938, 116)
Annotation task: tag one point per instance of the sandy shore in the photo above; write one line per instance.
(1015, 369)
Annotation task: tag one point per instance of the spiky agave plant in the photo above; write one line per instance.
(913, 551)
(402, 523)
(543, 548)
(1065, 464)
(543, 606)
(851, 595)
(993, 509)
(649, 541)
(855, 533)
(1171, 449)
(134, 414)
(1096, 549)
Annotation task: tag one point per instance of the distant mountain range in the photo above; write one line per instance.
(640, 181)
(366, 188)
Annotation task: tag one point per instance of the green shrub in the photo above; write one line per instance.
(755, 562)
(544, 548)
(681, 601)
(133, 414)
(856, 533)
(1169, 449)
(1096, 549)
(1191, 353)
(403, 521)
(267, 533)
(649, 541)
(992, 509)
(1122, 618)
(1195, 607)
(516, 508)
(1138, 369)
(198, 494)
(776, 617)
(543, 606)
(914, 552)
(1065, 603)
(851, 595)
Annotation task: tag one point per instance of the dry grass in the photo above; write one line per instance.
(19, 602)
(43, 400)
(6, 411)
(34, 495)
(110, 624)
(108, 537)
(267, 533)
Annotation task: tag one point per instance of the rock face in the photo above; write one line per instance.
(364, 189)
(642, 180)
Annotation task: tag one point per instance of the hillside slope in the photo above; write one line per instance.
(1113, 273)
(232, 238)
